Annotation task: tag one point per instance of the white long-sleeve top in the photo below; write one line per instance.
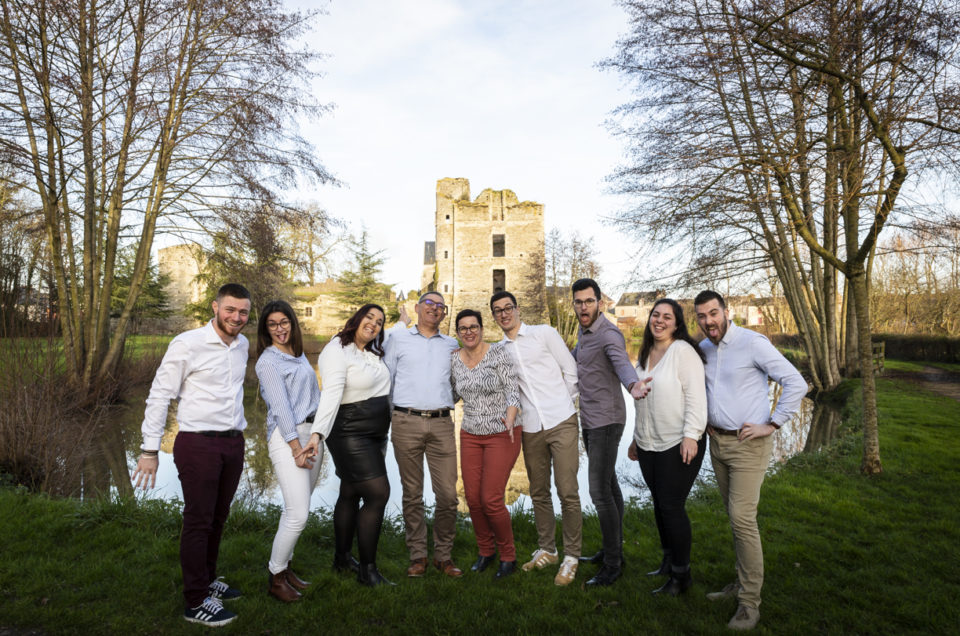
(347, 375)
(206, 376)
(676, 406)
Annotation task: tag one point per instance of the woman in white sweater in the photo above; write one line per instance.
(669, 440)
(353, 419)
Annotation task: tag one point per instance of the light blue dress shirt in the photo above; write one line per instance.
(420, 369)
(736, 373)
(289, 387)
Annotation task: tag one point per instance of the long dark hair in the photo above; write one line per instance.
(349, 331)
(680, 334)
(263, 334)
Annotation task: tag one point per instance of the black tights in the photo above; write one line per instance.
(350, 518)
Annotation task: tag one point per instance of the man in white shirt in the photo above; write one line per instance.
(204, 369)
(547, 374)
(740, 426)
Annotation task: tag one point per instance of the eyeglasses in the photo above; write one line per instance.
(586, 302)
(283, 324)
(504, 310)
(468, 329)
(434, 304)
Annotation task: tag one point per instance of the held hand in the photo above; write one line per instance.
(632, 451)
(755, 431)
(510, 426)
(641, 388)
(146, 472)
(302, 461)
(310, 450)
(688, 450)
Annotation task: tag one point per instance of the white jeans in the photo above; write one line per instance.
(296, 485)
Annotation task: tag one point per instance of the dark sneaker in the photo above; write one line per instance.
(219, 589)
(210, 613)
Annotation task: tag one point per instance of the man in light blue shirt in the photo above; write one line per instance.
(740, 426)
(419, 363)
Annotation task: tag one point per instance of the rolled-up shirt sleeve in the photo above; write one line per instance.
(332, 365)
(166, 386)
(275, 394)
(780, 370)
(692, 378)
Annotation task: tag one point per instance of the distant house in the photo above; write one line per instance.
(748, 310)
(319, 309)
(632, 308)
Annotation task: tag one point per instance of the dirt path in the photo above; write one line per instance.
(934, 380)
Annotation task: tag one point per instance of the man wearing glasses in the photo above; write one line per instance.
(603, 365)
(547, 375)
(419, 363)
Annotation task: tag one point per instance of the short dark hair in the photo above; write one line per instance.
(706, 296)
(349, 331)
(466, 313)
(234, 290)
(680, 334)
(435, 293)
(584, 283)
(263, 334)
(500, 295)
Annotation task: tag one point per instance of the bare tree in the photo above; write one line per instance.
(125, 118)
(568, 258)
(781, 133)
(310, 238)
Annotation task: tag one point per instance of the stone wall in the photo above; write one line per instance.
(182, 264)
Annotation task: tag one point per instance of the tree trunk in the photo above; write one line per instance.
(870, 465)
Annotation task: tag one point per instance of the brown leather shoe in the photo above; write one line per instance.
(418, 567)
(280, 589)
(448, 567)
(295, 581)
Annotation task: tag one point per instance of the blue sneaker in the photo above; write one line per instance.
(219, 589)
(210, 613)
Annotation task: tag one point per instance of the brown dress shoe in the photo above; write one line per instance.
(418, 567)
(295, 581)
(448, 568)
(280, 589)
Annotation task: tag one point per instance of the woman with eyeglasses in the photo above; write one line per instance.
(290, 390)
(353, 420)
(669, 441)
(483, 375)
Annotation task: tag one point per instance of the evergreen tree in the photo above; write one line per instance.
(359, 284)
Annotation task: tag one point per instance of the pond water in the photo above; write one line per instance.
(814, 426)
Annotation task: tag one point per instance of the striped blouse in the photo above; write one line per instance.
(289, 387)
(487, 390)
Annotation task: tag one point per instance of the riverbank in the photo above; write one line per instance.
(844, 554)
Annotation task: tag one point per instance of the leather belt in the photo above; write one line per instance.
(436, 413)
(230, 433)
(723, 431)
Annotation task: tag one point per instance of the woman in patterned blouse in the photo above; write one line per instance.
(483, 376)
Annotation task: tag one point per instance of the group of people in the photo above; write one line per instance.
(520, 393)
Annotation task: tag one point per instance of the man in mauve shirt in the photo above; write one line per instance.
(603, 366)
(203, 369)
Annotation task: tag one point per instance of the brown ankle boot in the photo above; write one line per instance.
(280, 589)
(295, 581)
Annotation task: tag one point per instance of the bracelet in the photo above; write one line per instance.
(149, 453)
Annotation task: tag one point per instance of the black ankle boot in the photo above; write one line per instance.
(506, 569)
(369, 575)
(344, 561)
(664, 569)
(678, 583)
(483, 562)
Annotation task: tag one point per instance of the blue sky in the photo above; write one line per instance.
(506, 94)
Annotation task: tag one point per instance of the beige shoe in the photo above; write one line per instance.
(729, 591)
(745, 618)
(540, 560)
(568, 571)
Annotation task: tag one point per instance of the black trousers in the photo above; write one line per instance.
(670, 481)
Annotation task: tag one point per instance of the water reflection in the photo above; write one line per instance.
(814, 426)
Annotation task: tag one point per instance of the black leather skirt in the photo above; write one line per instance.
(358, 439)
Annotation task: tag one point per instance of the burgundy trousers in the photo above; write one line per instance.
(485, 463)
(210, 469)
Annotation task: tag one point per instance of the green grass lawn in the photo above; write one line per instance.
(844, 554)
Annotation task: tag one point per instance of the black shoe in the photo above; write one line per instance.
(345, 562)
(606, 576)
(483, 562)
(677, 584)
(369, 575)
(664, 569)
(596, 558)
(506, 569)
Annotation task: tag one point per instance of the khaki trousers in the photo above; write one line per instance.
(413, 437)
(740, 468)
(560, 446)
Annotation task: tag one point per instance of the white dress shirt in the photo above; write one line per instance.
(206, 376)
(547, 374)
(676, 406)
(347, 375)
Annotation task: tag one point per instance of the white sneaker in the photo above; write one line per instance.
(540, 560)
(568, 571)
